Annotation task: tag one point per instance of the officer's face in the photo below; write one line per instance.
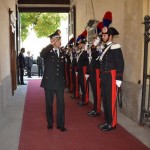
(80, 45)
(105, 38)
(57, 42)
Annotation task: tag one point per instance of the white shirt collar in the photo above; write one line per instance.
(57, 51)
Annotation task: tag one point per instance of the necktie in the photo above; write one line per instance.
(56, 52)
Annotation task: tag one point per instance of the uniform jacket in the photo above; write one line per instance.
(21, 60)
(54, 74)
(40, 61)
(68, 60)
(113, 60)
(95, 63)
(74, 61)
(29, 61)
(82, 61)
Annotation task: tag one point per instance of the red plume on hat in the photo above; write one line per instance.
(107, 19)
(99, 27)
(84, 34)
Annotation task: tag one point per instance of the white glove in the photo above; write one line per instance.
(96, 41)
(118, 83)
(76, 73)
(86, 76)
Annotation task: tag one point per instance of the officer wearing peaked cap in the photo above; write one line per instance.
(112, 67)
(56, 34)
(53, 80)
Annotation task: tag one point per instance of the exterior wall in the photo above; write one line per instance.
(133, 54)
(5, 78)
(127, 18)
(146, 11)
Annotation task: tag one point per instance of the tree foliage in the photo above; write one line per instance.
(43, 24)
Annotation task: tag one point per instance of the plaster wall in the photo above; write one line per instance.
(5, 78)
(4, 37)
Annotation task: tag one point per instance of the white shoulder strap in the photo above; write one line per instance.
(106, 49)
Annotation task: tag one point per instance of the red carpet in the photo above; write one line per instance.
(83, 133)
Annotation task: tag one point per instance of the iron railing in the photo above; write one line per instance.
(145, 105)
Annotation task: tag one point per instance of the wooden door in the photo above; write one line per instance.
(12, 51)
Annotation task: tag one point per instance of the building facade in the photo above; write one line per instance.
(128, 16)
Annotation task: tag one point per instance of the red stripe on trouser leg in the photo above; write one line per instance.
(77, 84)
(86, 85)
(114, 98)
(71, 85)
(98, 91)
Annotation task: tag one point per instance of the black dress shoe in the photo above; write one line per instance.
(79, 102)
(91, 112)
(73, 97)
(82, 103)
(108, 128)
(23, 84)
(63, 129)
(102, 125)
(94, 114)
(49, 127)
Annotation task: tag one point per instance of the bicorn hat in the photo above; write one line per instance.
(110, 31)
(71, 42)
(82, 38)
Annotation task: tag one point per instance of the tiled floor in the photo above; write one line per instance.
(10, 126)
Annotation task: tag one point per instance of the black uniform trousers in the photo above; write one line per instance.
(95, 86)
(49, 94)
(74, 82)
(29, 71)
(109, 92)
(21, 75)
(40, 71)
(68, 75)
(83, 84)
(70, 82)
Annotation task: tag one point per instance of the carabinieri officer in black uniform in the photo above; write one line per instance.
(112, 67)
(82, 66)
(94, 77)
(53, 80)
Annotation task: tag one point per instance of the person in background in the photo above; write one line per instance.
(21, 65)
(29, 63)
(53, 80)
(40, 64)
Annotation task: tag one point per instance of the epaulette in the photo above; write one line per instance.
(115, 46)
